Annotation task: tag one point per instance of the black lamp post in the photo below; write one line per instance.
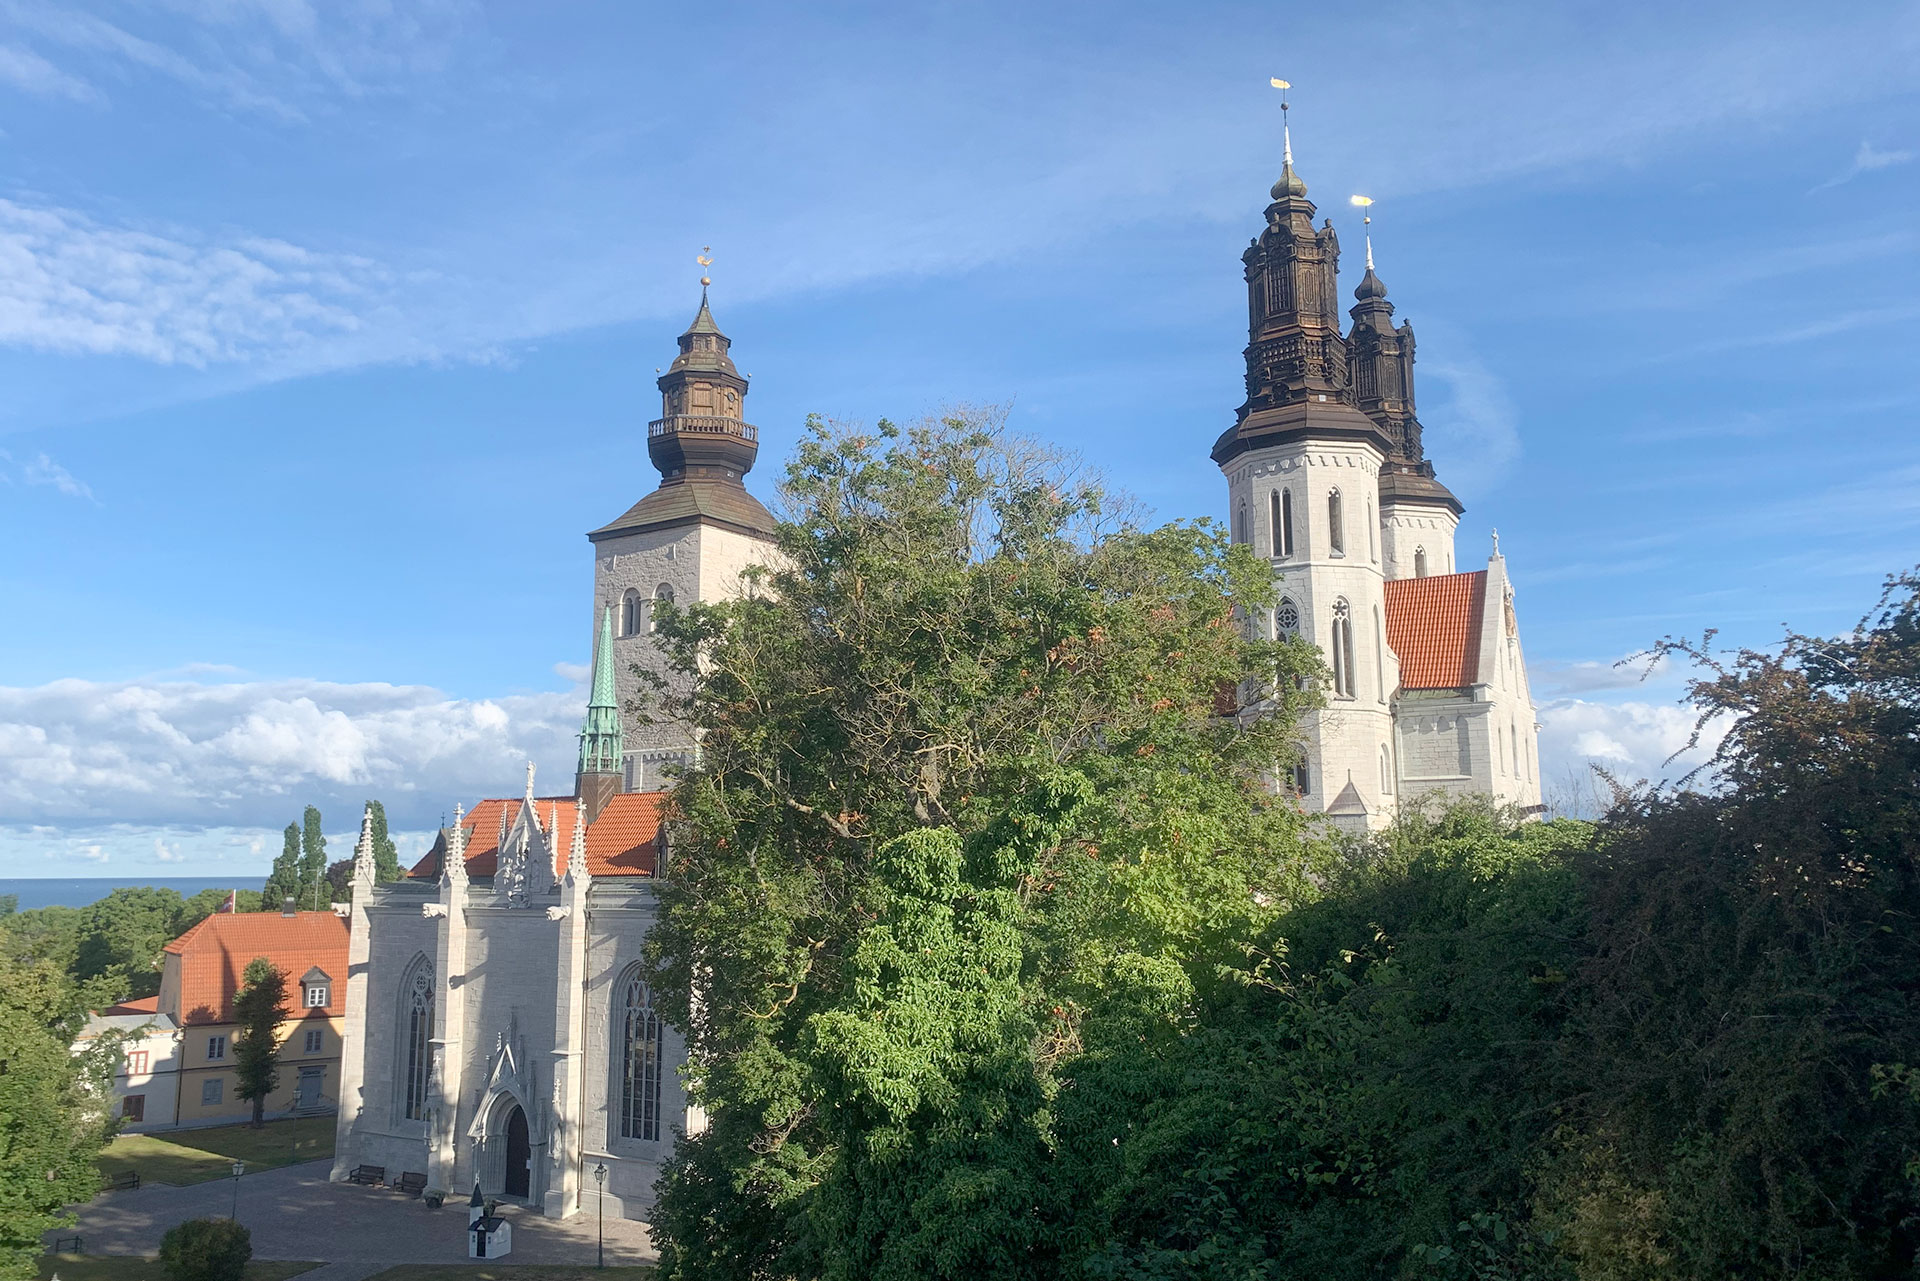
(600, 1177)
(239, 1168)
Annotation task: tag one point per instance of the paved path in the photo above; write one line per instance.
(294, 1213)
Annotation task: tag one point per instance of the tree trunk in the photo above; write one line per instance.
(260, 1112)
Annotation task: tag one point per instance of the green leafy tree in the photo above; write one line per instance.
(123, 934)
(283, 882)
(53, 1115)
(386, 855)
(1750, 993)
(260, 1008)
(313, 861)
(964, 767)
(206, 1250)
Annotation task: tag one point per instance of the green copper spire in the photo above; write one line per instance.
(601, 750)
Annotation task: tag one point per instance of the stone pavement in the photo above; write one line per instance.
(294, 1213)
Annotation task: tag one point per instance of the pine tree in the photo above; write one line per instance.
(284, 881)
(260, 1007)
(313, 860)
(386, 856)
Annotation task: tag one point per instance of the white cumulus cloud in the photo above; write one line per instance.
(79, 755)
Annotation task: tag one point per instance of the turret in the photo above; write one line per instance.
(1298, 380)
(599, 777)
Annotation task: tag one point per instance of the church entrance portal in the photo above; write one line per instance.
(519, 1153)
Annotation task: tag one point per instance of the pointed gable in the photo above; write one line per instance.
(1433, 626)
(622, 841)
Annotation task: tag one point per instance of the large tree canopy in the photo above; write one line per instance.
(962, 769)
(997, 957)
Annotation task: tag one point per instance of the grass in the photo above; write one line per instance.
(195, 1156)
(104, 1267)
(503, 1272)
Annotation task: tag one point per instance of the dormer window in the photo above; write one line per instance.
(316, 988)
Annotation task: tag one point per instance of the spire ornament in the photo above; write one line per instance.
(1289, 184)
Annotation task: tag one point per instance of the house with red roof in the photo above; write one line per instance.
(177, 1049)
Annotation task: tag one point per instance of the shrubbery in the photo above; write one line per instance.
(206, 1250)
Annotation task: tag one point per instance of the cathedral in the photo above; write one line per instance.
(499, 1028)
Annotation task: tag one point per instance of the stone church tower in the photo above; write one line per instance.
(688, 540)
(1303, 465)
(1328, 477)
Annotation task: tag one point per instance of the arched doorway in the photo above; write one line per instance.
(519, 1154)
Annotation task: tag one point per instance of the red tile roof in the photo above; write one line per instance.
(1433, 625)
(214, 954)
(137, 1005)
(621, 842)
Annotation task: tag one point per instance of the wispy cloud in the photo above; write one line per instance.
(1866, 160)
(28, 72)
(72, 285)
(42, 470)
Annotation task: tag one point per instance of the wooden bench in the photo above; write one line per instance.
(411, 1184)
(371, 1175)
(67, 1245)
(125, 1181)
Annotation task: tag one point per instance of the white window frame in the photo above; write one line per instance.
(216, 1049)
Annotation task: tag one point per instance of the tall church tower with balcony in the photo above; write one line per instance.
(686, 541)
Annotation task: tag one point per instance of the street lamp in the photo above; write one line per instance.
(600, 1177)
(239, 1168)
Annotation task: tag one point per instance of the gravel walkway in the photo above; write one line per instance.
(294, 1213)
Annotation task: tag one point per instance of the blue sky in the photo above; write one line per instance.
(328, 329)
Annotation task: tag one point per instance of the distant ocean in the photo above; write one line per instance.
(78, 891)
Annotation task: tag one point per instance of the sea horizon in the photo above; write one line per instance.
(78, 891)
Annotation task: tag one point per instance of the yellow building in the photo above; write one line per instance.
(203, 972)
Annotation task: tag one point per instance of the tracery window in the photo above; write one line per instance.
(1286, 618)
(631, 613)
(639, 1063)
(1336, 531)
(416, 1027)
(1343, 681)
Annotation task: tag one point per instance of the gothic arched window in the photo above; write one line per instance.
(1300, 778)
(1343, 682)
(1286, 618)
(1336, 531)
(1386, 771)
(1286, 522)
(639, 1062)
(1419, 562)
(662, 595)
(416, 1034)
(1372, 554)
(631, 613)
(1240, 523)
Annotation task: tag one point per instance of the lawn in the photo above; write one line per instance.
(504, 1272)
(91, 1267)
(194, 1156)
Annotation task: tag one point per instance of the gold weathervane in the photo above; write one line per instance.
(705, 262)
(1366, 205)
(1286, 134)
